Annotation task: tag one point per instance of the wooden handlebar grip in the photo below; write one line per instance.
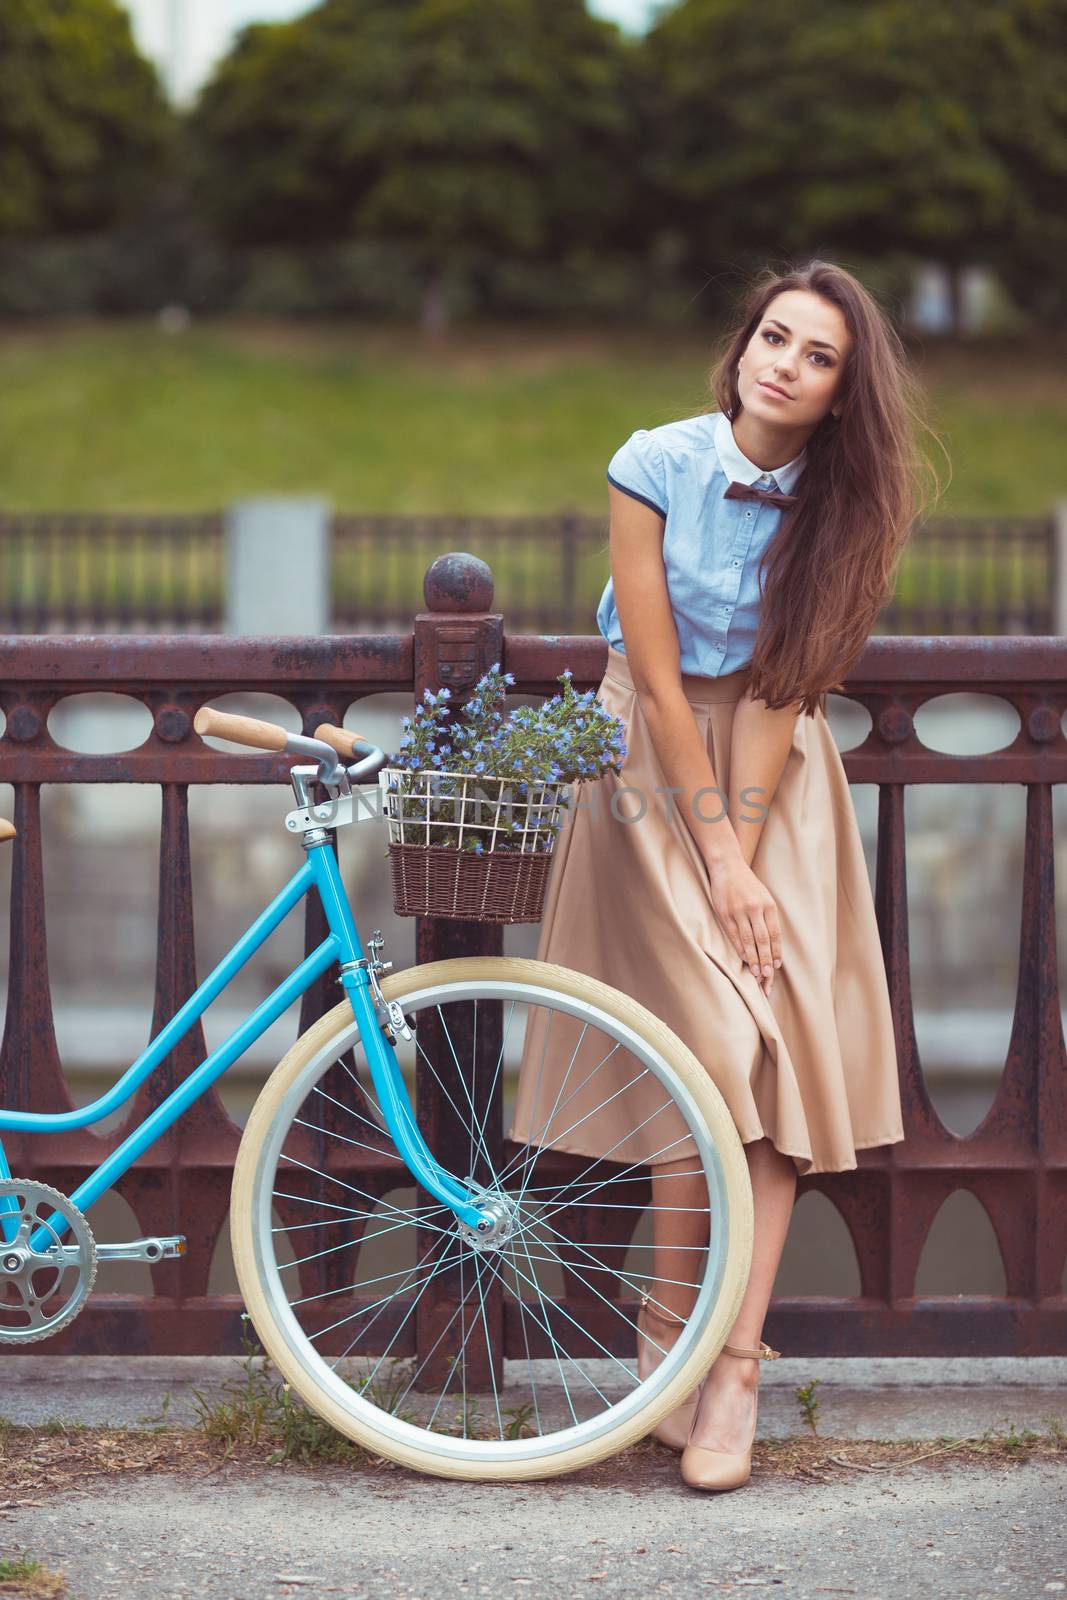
(7, 829)
(340, 739)
(242, 730)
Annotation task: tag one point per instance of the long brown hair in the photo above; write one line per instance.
(832, 563)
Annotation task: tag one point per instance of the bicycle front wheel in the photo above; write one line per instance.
(515, 1360)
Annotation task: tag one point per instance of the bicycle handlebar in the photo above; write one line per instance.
(240, 730)
(340, 739)
(261, 735)
(327, 743)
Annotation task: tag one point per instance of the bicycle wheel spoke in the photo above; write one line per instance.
(450, 1324)
(601, 1347)
(601, 1107)
(440, 1081)
(559, 1261)
(496, 1077)
(681, 1283)
(357, 1144)
(385, 1300)
(354, 1189)
(488, 1345)
(546, 1327)
(529, 1362)
(384, 1147)
(562, 1105)
(332, 1249)
(555, 1343)
(439, 1268)
(556, 1259)
(463, 1343)
(574, 1244)
(574, 1189)
(460, 1074)
(471, 1160)
(615, 1176)
(336, 1222)
(539, 1135)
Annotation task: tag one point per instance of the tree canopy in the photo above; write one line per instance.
(84, 126)
(862, 125)
(452, 126)
(467, 133)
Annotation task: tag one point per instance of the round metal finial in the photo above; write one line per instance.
(458, 582)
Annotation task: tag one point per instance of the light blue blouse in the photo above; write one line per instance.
(711, 546)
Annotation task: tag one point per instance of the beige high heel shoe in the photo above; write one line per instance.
(675, 1428)
(724, 1469)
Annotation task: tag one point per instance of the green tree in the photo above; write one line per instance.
(867, 126)
(1023, 108)
(457, 128)
(84, 127)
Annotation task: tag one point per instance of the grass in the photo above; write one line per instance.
(259, 1411)
(120, 416)
(1000, 1445)
(31, 1579)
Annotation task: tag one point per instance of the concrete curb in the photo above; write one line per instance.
(880, 1398)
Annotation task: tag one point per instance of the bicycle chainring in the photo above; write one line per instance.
(44, 1282)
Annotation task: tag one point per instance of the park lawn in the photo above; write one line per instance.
(121, 416)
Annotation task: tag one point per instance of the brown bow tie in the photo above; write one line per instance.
(749, 491)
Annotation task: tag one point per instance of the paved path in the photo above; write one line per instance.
(923, 1533)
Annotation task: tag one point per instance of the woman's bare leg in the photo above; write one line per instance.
(724, 1420)
(680, 1230)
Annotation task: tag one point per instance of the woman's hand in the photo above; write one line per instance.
(747, 911)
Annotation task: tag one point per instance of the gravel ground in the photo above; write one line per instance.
(629, 1528)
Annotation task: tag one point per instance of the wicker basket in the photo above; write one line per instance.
(432, 816)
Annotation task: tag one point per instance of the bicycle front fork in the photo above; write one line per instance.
(374, 1013)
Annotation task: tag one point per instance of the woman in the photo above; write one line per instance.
(752, 548)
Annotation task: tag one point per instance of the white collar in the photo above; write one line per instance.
(739, 469)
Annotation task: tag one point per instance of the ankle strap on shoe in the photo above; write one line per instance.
(661, 1314)
(764, 1353)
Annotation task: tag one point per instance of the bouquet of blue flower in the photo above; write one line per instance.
(487, 785)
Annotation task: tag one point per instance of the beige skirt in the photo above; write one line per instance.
(813, 1066)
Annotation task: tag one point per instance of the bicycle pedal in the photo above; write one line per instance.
(157, 1249)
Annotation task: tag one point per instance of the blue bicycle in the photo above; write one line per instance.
(345, 1226)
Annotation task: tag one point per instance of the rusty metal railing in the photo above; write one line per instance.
(1015, 1162)
(135, 573)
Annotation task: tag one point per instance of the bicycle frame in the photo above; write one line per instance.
(342, 945)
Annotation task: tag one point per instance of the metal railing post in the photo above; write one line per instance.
(457, 638)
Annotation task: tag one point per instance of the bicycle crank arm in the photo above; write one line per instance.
(131, 1250)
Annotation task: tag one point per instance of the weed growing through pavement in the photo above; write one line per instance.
(1009, 1443)
(809, 1405)
(259, 1408)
